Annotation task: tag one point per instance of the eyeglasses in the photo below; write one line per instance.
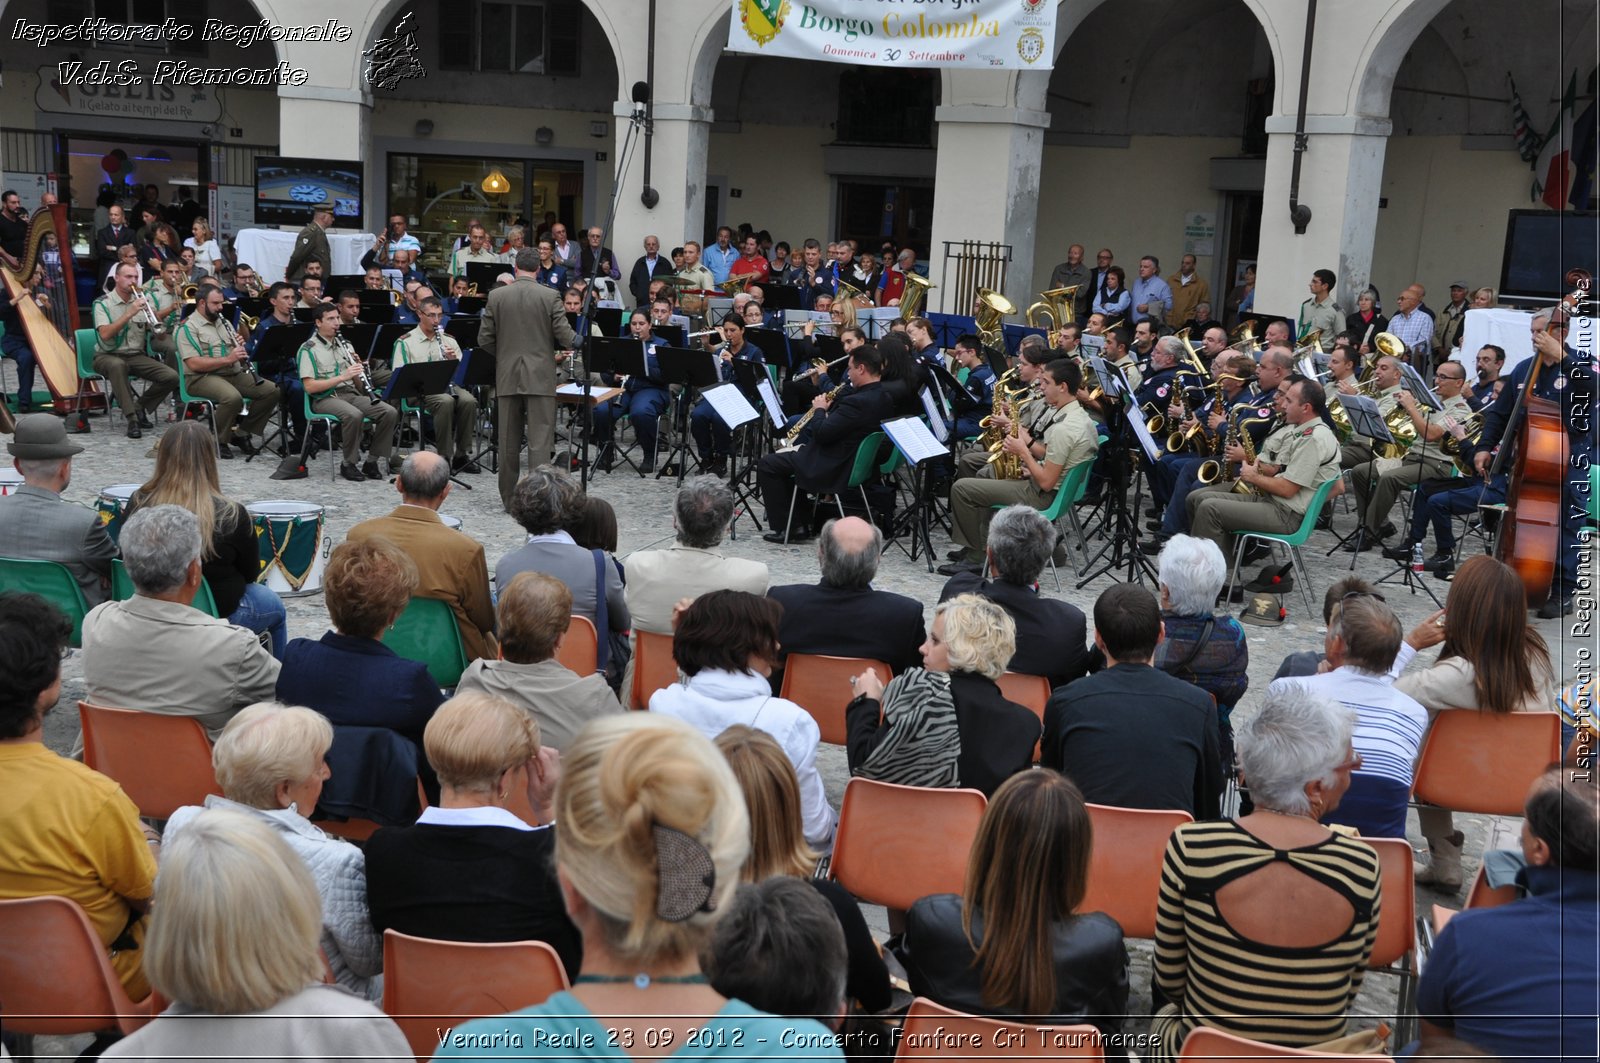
(1448, 376)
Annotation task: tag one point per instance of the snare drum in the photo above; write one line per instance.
(10, 480)
(450, 522)
(293, 549)
(112, 504)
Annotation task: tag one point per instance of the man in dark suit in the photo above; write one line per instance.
(824, 464)
(107, 240)
(842, 615)
(1132, 735)
(526, 328)
(37, 524)
(649, 265)
(1050, 632)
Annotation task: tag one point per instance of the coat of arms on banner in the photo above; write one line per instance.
(763, 18)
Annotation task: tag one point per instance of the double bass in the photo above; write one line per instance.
(1530, 533)
(56, 356)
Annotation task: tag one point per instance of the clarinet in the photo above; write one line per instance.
(350, 355)
(231, 340)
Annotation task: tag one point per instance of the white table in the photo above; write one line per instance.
(267, 251)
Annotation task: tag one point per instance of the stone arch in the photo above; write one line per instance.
(1385, 49)
(710, 38)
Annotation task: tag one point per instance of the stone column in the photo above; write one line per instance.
(678, 174)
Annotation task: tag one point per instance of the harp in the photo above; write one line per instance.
(57, 356)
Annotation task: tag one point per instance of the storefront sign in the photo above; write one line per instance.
(84, 93)
(1199, 233)
(974, 34)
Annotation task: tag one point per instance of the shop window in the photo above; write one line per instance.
(137, 12)
(887, 106)
(510, 36)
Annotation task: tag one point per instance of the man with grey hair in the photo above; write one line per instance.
(659, 579)
(450, 564)
(1050, 632)
(37, 524)
(1362, 641)
(155, 652)
(842, 615)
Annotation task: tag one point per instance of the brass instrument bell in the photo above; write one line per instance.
(1054, 305)
(914, 296)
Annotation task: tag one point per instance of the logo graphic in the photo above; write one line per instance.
(392, 60)
(1030, 45)
(763, 19)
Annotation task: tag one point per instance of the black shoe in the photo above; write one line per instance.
(1089, 500)
(718, 467)
(1401, 552)
(1387, 530)
(1363, 541)
(956, 568)
(1440, 557)
(351, 472)
(134, 431)
(1154, 525)
(1152, 511)
(1153, 546)
(1555, 609)
(957, 554)
(1256, 551)
(244, 443)
(1325, 522)
(144, 420)
(370, 471)
(1235, 596)
(606, 460)
(648, 465)
(224, 452)
(466, 465)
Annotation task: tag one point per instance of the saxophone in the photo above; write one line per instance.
(791, 440)
(990, 439)
(1248, 445)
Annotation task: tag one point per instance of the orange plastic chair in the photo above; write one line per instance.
(161, 762)
(821, 685)
(1485, 762)
(932, 1031)
(1125, 864)
(1206, 1045)
(55, 977)
(897, 844)
(580, 647)
(1032, 692)
(1479, 895)
(1395, 950)
(653, 666)
(430, 987)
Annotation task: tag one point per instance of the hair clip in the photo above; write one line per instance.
(685, 875)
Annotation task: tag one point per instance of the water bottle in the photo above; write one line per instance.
(1416, 558)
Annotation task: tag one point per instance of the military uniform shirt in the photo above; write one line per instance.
(1306, 455)
(131, 340)
(414, 346)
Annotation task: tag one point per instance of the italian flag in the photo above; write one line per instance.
(1552, 174)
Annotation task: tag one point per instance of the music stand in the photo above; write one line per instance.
(412, 383)
(475, 372)
(608, 319)
(780, 297)
(752, 439)
(671, 335)
(484, 274)
(471, 305)
(385, 338)
(464, 330)
(772, 344)
(691, 370)
(920, 447)
(613, 356)
(361, 336)
(1122, 548)
(275, 359)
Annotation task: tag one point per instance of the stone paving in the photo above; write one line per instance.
(644, 511)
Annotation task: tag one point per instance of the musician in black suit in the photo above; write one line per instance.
(880, 625)
(824, 464)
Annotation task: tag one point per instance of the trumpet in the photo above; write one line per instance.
(151, 319)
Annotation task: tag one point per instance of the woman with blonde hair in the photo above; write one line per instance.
(1014, 942)
(653, 834)
(186, 475)
(206, 251)
(233, 944)
(1491, 659)
(778, 847)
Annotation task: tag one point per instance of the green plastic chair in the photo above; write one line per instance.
(1074, 483)
(330, 420)
(863, 470)
(51, 581)
(1292, 541)
(427, 632)
(122, 590)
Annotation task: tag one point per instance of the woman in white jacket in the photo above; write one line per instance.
(1492, 660)
(725, 643)
(269, 761)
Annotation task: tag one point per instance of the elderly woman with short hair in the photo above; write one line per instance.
(1264, 925)
(271, 761)
(1200, 647)
(946, 723)
(233, 944)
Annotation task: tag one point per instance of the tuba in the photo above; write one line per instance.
(1054, 305)
(1243, 338)
(1388, 345)
(915, 294)
(847, 291)
(1455, 448)
(735, 285)
(993, 308)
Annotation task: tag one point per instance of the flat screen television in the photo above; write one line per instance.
(287, 189)
(1541, 245)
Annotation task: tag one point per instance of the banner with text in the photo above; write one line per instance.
(974, 34)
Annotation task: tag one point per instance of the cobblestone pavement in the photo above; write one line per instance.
(644, 511)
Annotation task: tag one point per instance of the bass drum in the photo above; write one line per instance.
(450, 522)
(294, 551)
(10, 480)
(112, 504)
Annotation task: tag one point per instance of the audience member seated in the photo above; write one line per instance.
(1198, 646)
(725, 644)
(545, 502)
(155, 652)
(778, 848)
(1014, 942)
(1362, 642)
(1131, 735)
(470, 869)
(1310, 662)
(653, 834)
(946, 723)
(186, 475)
(349, 675)
(1514, 981)
(65, 830)
(596, 529)
(779, 948)
(450, 564)
(1050, 632)
(842, 615)
(271, 762)
(1492, 660)
(37, 524)
(659, 579)
(1264, 926)
(233, 944)
(534, 612)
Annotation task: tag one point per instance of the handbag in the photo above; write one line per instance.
(611, 648)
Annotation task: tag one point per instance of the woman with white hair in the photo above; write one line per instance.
(270, 761)
(1264, 925)
(946, 723)
(233, 944)
(1200, 647)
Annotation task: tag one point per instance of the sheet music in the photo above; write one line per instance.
(1365, 419)
(1411, 380)
(823, 319)
(1091, 345)
(931, 406)
(730, 404)
(769, 398)
(875, 322)
(1111, 379)
(912, 438)
(1152, 450)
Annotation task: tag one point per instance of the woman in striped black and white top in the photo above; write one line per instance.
(1264, 925)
